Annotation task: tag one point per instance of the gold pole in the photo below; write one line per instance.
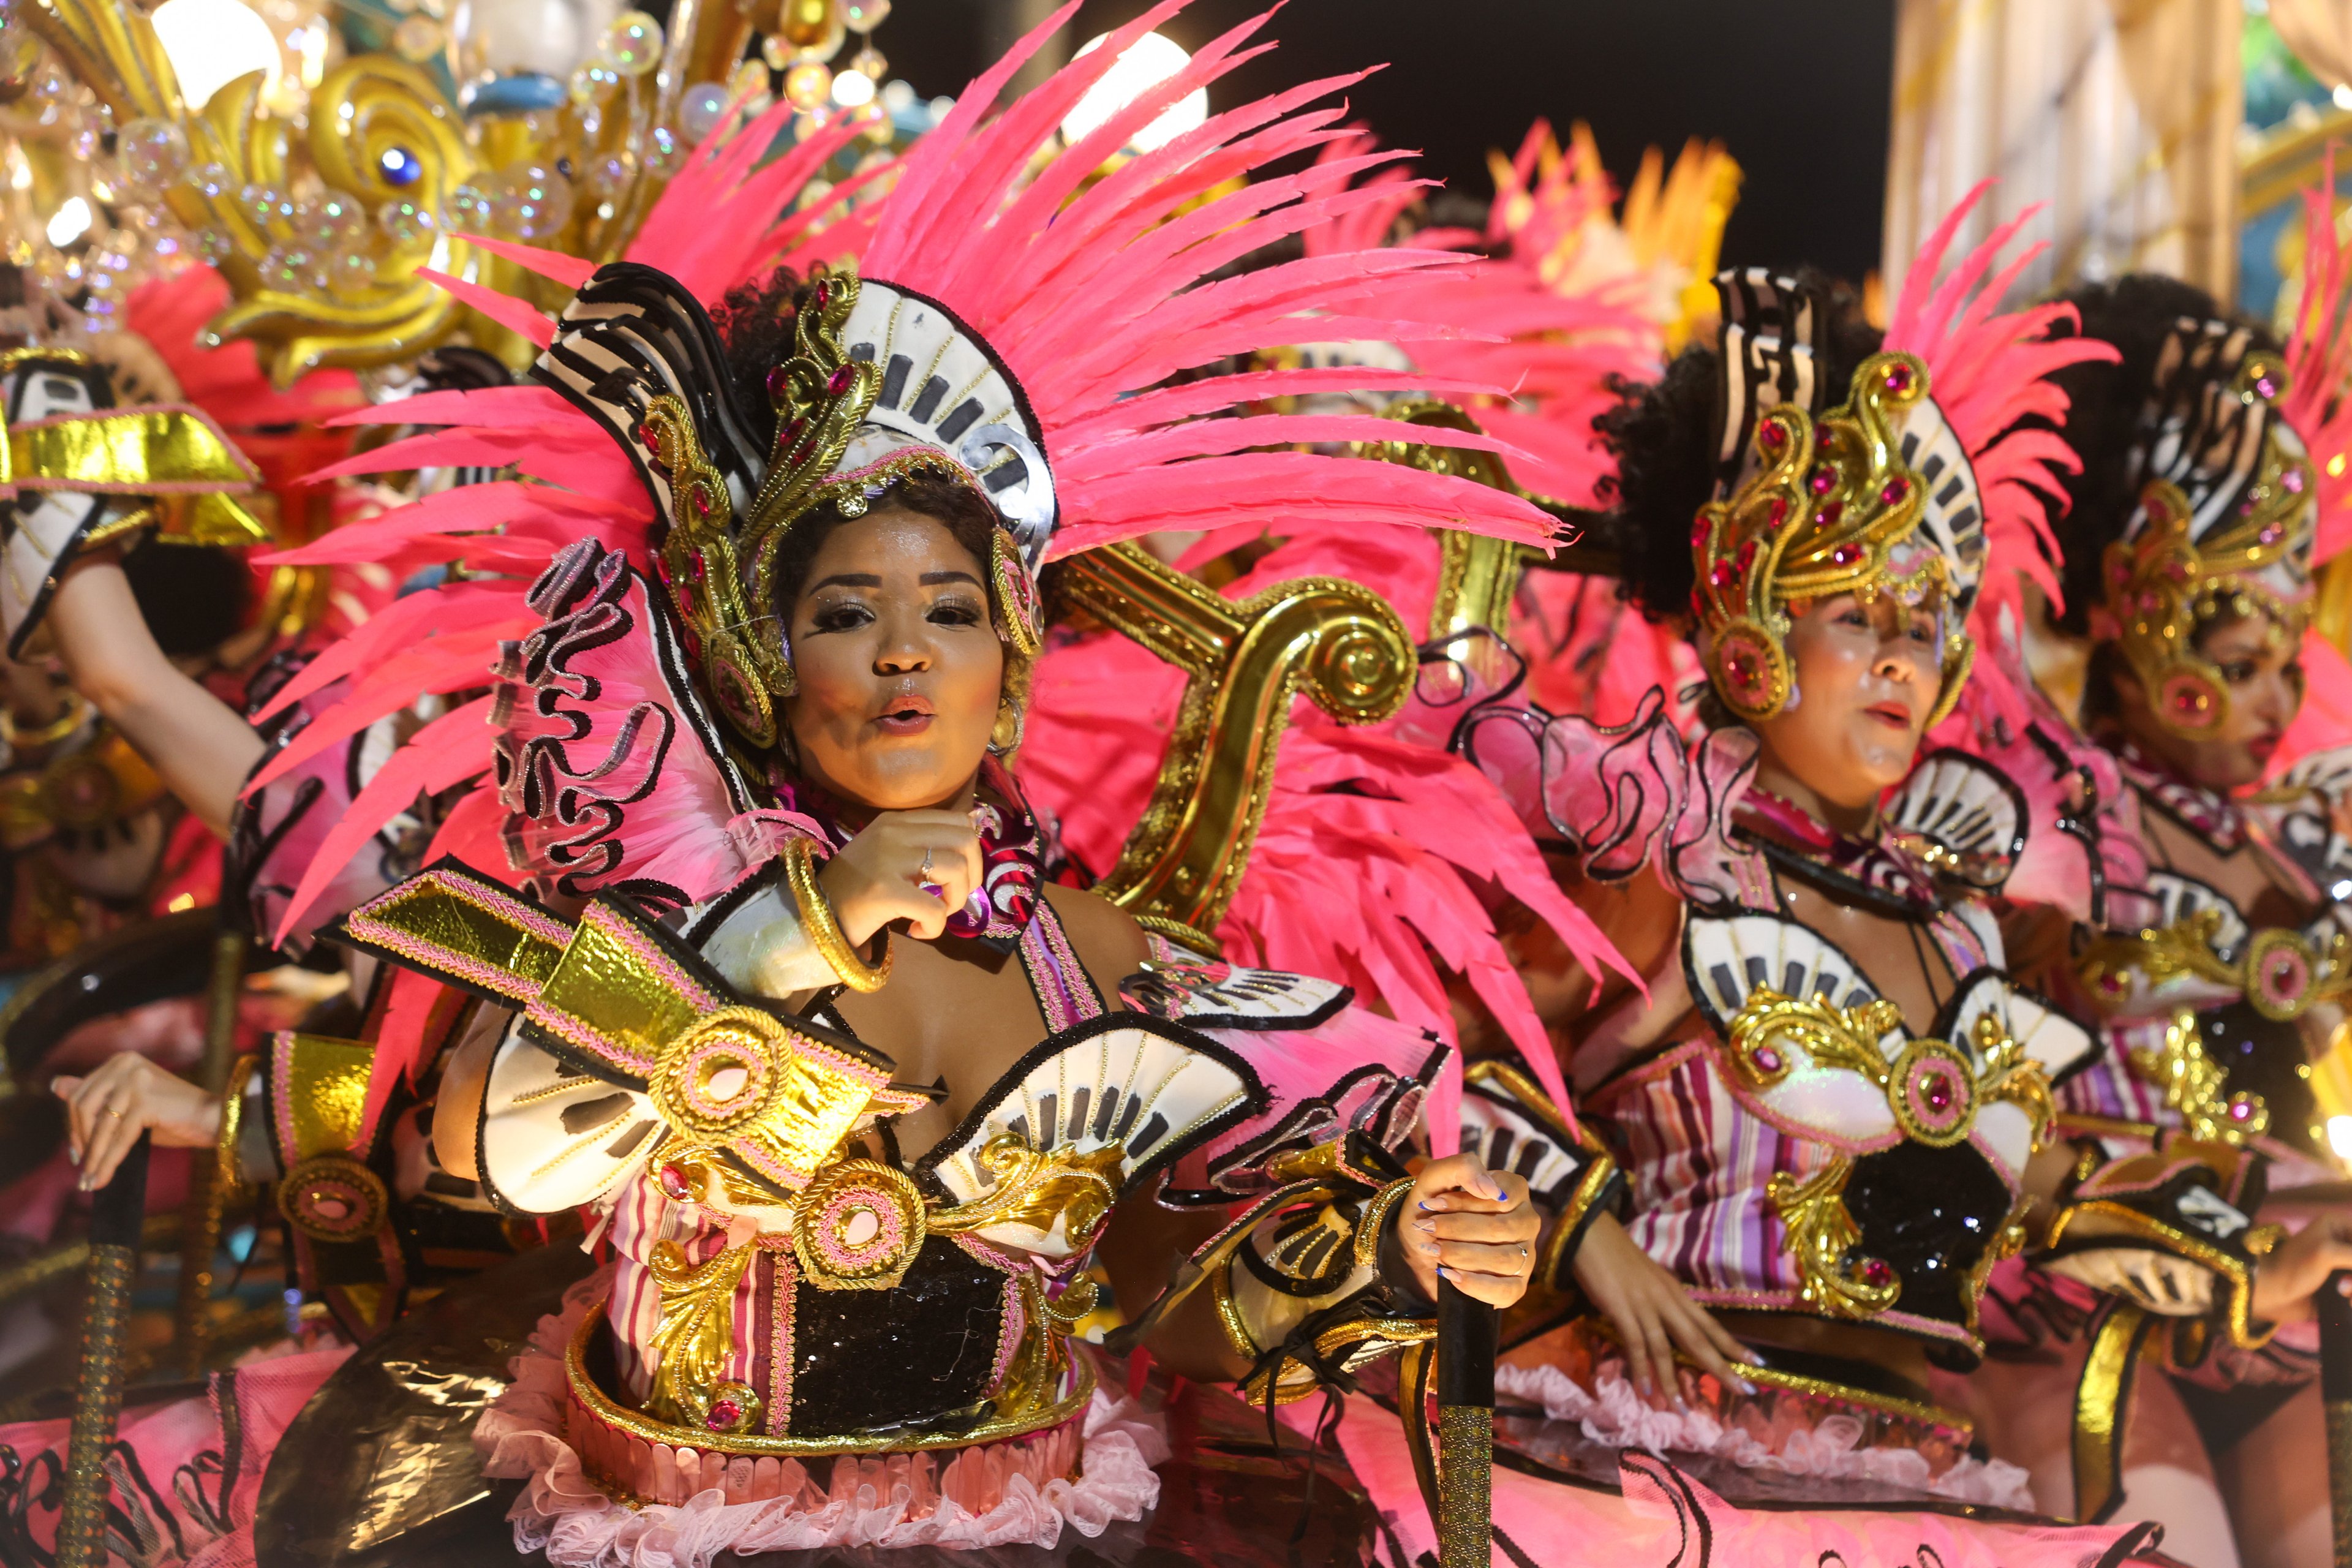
(209, 1181)
(114, 1228)
(2336, 1395)
(1466, 1430)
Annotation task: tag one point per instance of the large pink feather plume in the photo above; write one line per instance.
(1094, 292)
(2319, 361)
(1989, 371)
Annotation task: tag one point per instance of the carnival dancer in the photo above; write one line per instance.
(2216, 967)
(1819, 1118)
(790, 631)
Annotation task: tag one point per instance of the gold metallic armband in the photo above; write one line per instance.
(824, 927)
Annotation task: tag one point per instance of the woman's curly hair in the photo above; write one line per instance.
(2137, 313)
(1662, 434)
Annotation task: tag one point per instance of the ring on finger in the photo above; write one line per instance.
(116, 1114)
(923, 879)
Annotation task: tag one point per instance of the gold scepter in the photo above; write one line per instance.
(209, 1181)
(117, 1213)
(2336, 1395)
(1465, 1428)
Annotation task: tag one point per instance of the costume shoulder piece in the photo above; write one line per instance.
(1960, 817)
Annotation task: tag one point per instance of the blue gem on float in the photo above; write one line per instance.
(400, 167)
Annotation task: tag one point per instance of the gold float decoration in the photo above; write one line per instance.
(306, 304)
(1335, 642)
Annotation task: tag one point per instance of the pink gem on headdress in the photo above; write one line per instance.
(1827, 517)
(1768, 1059)
(777, 381)
(2293, 480)
(1722, 575)
(1747, 556)
(1897, 489)
(2265, 388)
(1877, 1273)
(840, 381)
(1937, 1093)
(1845, 554)
(2270, 535)
(2241, 1110)
(673, 1181)
(1778, 515)
(1771, 436)
(725, 1411)
(1898, 377)
(821, 295)
(1821, 481)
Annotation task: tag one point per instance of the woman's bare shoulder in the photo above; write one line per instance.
(1109, 942)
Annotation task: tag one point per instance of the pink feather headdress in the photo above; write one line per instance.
(1920, 474)
(1082, 292)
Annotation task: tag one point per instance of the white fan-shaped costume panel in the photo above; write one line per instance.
(1153, 1089)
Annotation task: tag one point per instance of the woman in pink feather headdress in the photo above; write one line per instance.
(2207, 944)
(1819, 1114)
(735, 932)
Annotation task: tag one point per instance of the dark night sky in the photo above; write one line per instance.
(1799, 93)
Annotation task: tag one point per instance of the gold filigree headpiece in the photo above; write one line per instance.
(2225, 526)
(881, 382)
(1874, 496)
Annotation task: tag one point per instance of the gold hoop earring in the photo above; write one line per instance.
(1008, 714)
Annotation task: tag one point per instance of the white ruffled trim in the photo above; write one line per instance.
(1613, 1414)
(519, 1435)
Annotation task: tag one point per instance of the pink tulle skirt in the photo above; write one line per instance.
(1790, 1432)
(1086, 1474)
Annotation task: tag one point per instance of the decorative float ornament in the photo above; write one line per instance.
(331, 194)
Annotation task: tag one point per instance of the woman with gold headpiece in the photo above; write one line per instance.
(2216, 961)
(750, 920)
(1817, 1124)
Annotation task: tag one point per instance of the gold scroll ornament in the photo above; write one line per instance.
(1336, 643)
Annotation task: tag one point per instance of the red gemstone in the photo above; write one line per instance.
(1897, 489)
(701, 502)
(1877, 1273)
(2265, 388)
(1768, 1059)
(1938, 1094)
(1898, 377)
(1845, 554)
(1698, 533)
(839, 380)
(724, 1413)
(673, 1181)
(653, 442)
(1771, 436)
(2241, 1109)
(1778, 514)
(777, 381)
(1821, 481)
(822, 293)
(1722, 575)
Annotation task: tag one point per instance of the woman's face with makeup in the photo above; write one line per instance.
(898, 663)
(2261, 673)
(1868, 673)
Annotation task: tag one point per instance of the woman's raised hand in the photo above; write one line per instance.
(128, 1095)
(878, 876)
(1653, 1313)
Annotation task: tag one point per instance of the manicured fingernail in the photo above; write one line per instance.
(1425, 1223)
(1752, 1358)
(1744, 1385)
(84, 1183)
